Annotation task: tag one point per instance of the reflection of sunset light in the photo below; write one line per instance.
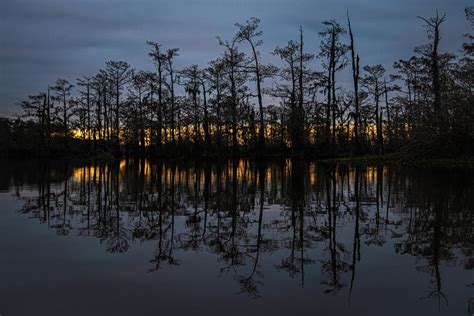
(246, 172)
(122, 164)
(85, 173)
(312, 174)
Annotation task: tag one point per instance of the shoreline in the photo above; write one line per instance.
(393, 160)
(387, 160)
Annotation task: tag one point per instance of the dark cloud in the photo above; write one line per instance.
(42, 40)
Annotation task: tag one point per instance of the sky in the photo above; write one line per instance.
(42, 40)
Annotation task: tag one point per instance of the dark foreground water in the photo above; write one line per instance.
(281, 238)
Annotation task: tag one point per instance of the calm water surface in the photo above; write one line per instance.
(234, 238)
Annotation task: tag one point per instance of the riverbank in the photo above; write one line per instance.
(396, 160)
(388, 160)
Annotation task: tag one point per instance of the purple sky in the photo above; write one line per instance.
(45, 39)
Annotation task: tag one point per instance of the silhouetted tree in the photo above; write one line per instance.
(63, 89)
(119, 74)
(333, 51)
(355, 78)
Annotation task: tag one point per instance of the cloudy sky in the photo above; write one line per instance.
(45, 39)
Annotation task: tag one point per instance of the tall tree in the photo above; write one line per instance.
(85, 82)
(333, 53)
(63, 89)
(355, 78)
(294, 75)
(170, 68)
(233, 59)
(159, 58)
(249, 32)
(215, 73)
(119, 73)
(193, 87)
(433, 28)
(374, 82)
(140, 87)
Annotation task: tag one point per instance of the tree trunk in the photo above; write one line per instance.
(355, 77)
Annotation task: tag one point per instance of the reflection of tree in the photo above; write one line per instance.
(372, 231)
(436, 256)
(117, 236)
(437, 227)
(295, 262)
(193, 220)
(235, 231)
(356, 243)
(334, 265)
(62, 225)
(166, 235)
(248, 283)
(220, 208)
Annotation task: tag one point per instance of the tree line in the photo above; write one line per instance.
(240, 105)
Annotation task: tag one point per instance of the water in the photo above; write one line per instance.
(234, 238)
